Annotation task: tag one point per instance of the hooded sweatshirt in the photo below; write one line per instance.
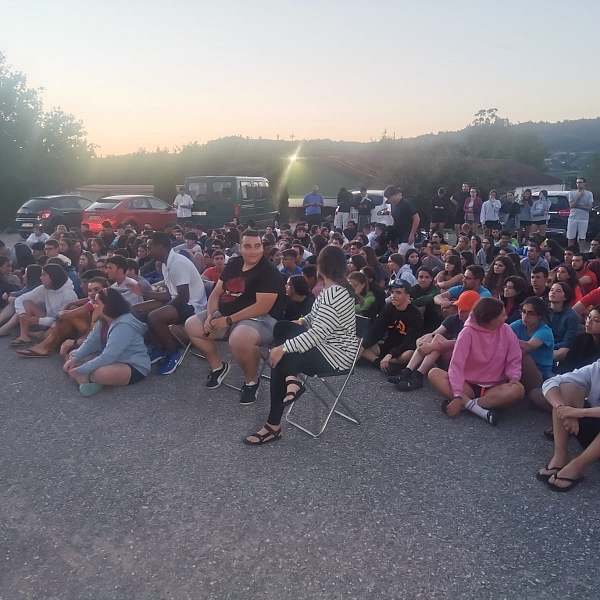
(484, 357)
(124, 344)
(53, 300)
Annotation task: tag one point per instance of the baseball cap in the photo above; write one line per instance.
(467, 300)
(399, 283)
(391, 190)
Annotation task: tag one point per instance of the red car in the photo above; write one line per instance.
(137, 210)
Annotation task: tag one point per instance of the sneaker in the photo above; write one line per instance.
(249, 393)
(414, 382)
(169, 364)
(404, 375)
(157, 355)
(215, 378)
(492, 418)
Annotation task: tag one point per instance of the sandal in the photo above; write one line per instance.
(31, 354)
(293, 396)
(19, 342)
(549, 433)
(544, 477)
(265, 438)
(573, 482)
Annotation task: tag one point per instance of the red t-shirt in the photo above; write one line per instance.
(592, 299)
(589, 287)
(211, 274)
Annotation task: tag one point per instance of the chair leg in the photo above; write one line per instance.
(331, 407)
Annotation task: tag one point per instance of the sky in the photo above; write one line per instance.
(162, 74)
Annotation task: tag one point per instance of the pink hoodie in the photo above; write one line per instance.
(484, 357)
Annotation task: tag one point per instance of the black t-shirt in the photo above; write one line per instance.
(240, 287)
(438, 215)
(582, 351)
(294, 310)
(403, 214)
(453, 326)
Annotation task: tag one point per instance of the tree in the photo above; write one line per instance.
(40, 153)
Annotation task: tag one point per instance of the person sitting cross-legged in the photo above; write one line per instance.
(435, 346)
(485, 368)
(322, 342)
(400, 323)
(575, 401)
(245, 304)
(118, 337)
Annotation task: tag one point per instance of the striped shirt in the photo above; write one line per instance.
(332, 329)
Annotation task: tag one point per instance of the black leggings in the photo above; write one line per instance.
(309, 363)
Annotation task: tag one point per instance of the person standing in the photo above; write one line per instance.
(364, 206)
(439, 211)
(472, 209)
(406, 218)
(581, 202)
(490, 213)
(526, 202)
(313, 204)
(183, 203)
(345, 201)
(539, 213)
(458, 199)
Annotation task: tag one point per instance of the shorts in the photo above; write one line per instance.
(589, 429)
(576, 229)
(184, 312)
(136, 376)
(479, 390)
(264, 325)
(524, 223)
(492, 224)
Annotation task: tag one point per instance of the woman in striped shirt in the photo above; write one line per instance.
(322, 342)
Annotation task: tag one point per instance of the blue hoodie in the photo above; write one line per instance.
(124, 344)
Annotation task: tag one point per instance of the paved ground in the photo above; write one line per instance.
(149, 493)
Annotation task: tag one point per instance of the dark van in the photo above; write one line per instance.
(217, 200)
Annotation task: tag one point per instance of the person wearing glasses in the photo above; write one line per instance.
(581, 202)
(472, 279)
(537, 344)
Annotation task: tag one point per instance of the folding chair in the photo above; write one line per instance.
(361, 327)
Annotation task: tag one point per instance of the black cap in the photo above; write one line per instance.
(399, 283)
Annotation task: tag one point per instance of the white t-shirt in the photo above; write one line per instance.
(183, 204)
(179, 270)
(33, 239)
(126, 292)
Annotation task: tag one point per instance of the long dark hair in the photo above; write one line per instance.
(539, 305)
(491, 281)
(114, 303)
(520, 286)
(573, 281)
(57, 274)
(413, 268)
(33, 273)
(331, 263)
(23, 255)
(486, 310)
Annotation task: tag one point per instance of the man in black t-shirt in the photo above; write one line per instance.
(406, 218)
(245, 304)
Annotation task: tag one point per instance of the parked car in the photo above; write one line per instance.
(137, 210)
(559, 215)
(218, 199)
(50, 211)
(381, 212)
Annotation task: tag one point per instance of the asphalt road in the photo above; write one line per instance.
(148, 492)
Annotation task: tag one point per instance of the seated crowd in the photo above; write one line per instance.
(488, 321)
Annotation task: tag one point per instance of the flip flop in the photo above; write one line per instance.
(19, 342)
(573, 482)
(31, 354)
(540, 477)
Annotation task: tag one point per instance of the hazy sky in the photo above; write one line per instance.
(142, 74)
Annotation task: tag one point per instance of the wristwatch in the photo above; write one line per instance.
(229, 321)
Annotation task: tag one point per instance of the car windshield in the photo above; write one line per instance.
(102, 205)
(37, 203)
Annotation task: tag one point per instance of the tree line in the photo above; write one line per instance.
(46, 152)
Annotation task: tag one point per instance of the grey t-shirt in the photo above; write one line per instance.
(579, 214)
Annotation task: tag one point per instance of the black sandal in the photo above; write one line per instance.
(546, 476)
(294, 395)
(265, 438)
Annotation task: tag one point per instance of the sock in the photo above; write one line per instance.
(252, 383)
(475, 408)
(219, 369)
